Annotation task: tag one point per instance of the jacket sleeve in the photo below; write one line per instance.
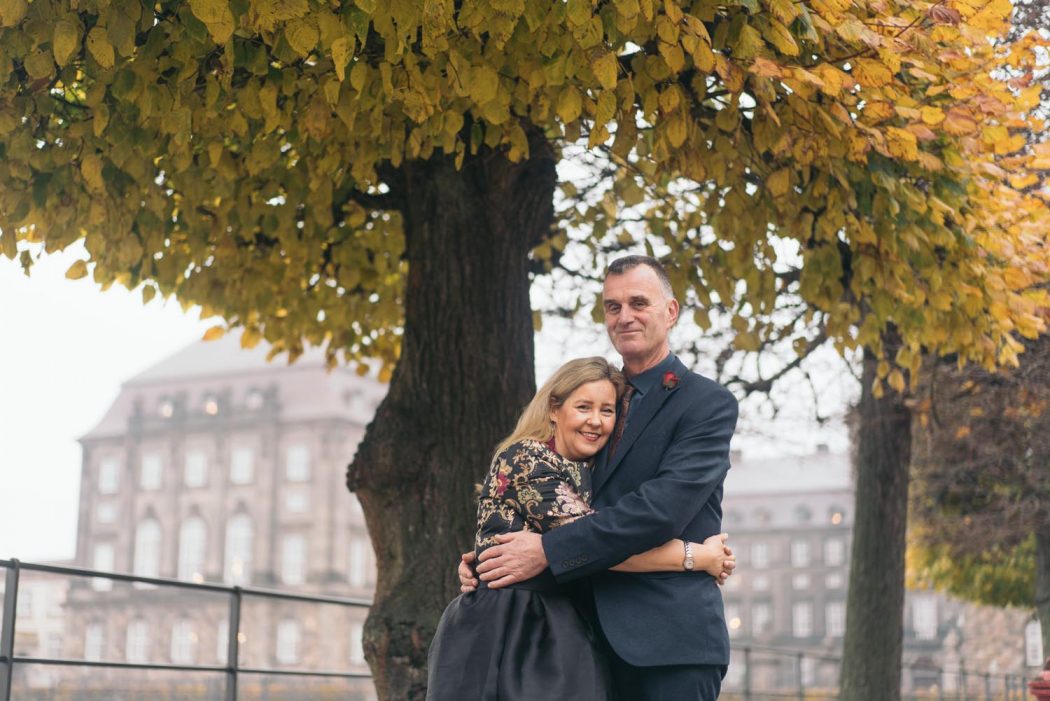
(690, 470)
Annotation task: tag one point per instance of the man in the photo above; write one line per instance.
(659, 478)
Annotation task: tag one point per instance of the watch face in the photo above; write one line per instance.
(689, 564)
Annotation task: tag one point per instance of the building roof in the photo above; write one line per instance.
(306, 391)
(818, 472)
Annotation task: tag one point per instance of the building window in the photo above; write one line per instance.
(834, 551)
(288, 635)
(196, 473)
(54, 645)
(150, 471)
(800, 582)
(242, 465)
(103, 561)
(193, 548)
(362, 562)
(106, 512)
(835, 618)
(759, 555)
(1033, 644)
(237, 567)
(837, 516)
(733, 622)
(802, 619)
(147, 549)
(297, 501)
(759, 582)
(293, 559)
(800, 553)
(254, 399)
(210, 405)
(183, 642)
(222, 642)
(803, 514)
(109, 475)
(25, 602)
(93, 642)
(834, 580)
(924, 617)
(166, 408)
(761, 619)
(297, 465)
(136, 642)
(357, 647)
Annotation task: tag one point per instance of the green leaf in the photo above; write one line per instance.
(605, 68)
(12, 12)
(302, 36)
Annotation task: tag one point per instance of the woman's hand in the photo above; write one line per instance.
(467, 582)
(716, 557)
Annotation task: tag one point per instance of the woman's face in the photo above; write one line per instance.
(585, 420)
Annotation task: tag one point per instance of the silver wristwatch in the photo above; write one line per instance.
(688, 562)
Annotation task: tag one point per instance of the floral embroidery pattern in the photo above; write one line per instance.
(530, 487)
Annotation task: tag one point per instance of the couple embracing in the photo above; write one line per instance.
(599, 548)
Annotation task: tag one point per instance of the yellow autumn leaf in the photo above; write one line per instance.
(932, 116)
(342, 50)
(12, 12)
(250, 338)
(833, 78)
(896, 380)
(209, 11)
(302, 35)
(99, 47)
(871, 73)
(484, 84)
(64, 41)
(605, 68)
(958, 122)
(570, 105)
(779, 183)
(91, 170)
(77, 270)
(902, 143)
(215, 333)
(779, 36)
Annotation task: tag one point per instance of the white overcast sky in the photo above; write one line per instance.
(66, 347)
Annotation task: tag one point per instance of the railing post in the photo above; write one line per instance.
(801, 681)
(987, 686)
(747, 674)
(7, 631)
(233, 645)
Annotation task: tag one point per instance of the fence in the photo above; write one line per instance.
(232, 672)
(756, 673)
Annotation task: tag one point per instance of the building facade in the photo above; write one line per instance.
(790, 523)
(217, 466)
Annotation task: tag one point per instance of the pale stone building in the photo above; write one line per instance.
(790, 522)
(217, 466)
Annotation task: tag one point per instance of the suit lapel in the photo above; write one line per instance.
(637, 420)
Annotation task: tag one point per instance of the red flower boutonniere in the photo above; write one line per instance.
(670, 380)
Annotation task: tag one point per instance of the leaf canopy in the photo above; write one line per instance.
(866, 154)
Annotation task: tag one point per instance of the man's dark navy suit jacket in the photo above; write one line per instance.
(664, 481)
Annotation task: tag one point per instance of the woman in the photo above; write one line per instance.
(527, 642)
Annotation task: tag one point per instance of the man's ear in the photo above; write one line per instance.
(673, 309)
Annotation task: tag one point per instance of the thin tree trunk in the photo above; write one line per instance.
(871, 666)
(1042, 584)
(465, 372)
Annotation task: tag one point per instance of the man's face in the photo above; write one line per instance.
(638, 313)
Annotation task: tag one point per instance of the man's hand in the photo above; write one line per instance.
(728, 565)
(467, 583)
(519, 556)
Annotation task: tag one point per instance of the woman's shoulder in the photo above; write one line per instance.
(526, 450)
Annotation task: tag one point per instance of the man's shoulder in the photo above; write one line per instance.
(702, 386)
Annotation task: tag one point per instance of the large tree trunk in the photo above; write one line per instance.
(871, 666)
(466, 371)
(1042, 584)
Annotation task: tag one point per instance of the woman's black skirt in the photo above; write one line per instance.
(515, 644)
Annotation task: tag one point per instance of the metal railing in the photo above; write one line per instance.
(789, 665)
(953, 684)
(232, 669)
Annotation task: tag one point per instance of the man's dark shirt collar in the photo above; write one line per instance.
(643, 382)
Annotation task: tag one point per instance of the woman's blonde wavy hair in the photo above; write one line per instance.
(535, 422)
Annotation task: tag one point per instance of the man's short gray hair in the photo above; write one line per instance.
(622, 265)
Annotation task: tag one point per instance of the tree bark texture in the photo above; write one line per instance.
(1042, 585)
(465, 372)
(871, 667)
